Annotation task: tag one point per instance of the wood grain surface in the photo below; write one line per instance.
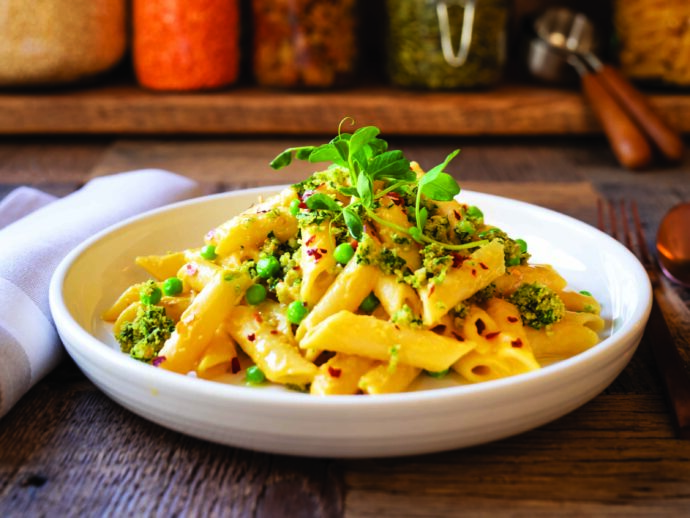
(67, 450)
(507, 110)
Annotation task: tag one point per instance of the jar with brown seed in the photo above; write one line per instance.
(304, 43)
(60, 42)
(446, 44)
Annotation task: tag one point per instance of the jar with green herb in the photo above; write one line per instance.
(446, 44)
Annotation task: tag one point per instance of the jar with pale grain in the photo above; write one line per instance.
(55, 42)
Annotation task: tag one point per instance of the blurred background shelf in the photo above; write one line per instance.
(129, 110)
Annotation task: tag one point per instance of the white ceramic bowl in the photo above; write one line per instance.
(280, 421)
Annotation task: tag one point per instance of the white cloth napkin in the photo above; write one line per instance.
(36, 232)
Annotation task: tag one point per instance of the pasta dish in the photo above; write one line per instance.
(361, 279)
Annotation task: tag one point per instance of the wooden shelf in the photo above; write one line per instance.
(129, 110)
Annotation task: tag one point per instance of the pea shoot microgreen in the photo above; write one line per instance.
(367, 160)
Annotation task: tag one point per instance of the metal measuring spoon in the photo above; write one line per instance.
(628, 119)
(673, 244)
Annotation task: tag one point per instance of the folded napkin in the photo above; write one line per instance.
(36, 232)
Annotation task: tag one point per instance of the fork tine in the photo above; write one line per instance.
(641, 240)
(627, 234)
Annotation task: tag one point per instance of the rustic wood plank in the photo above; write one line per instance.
(124, 109)
(69, 449)
(614, 455)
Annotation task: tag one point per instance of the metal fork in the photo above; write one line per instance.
(622, 222)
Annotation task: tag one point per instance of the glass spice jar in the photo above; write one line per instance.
(446, 44)
(304, 43)
(59, 41)
(186, 45)
(654, 40)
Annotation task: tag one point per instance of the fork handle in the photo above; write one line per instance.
(664, 137)
(670, 365)
(628, 143)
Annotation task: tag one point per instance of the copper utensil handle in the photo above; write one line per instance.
(664, 137)
(670, 367)
(627, 141)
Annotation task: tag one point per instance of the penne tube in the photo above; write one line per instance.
(341, 375)
(269, 349)
(201, 319)
(387, 379)
(367, 336)
(347, 292)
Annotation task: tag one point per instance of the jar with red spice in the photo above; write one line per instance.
(186, 44)
(304, 43)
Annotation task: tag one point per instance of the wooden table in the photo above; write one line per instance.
(67, 450)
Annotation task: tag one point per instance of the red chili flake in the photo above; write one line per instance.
(490, 336)
(310, 240)
(458, 259)
(512, 319)
(314, 252)
(210, 234)
(302, 205)
(335, 373)
(484, 267)
(396, 198)
(251, 337)
(354, 244)
(157, 361)
(296, 267)
(258, 317)
(191, 269)
(480, 325)
(517, 343)
(457, 214)
(432, 289)
(274, 331)
(235, 365)
(457, 336)
(474, 272)
(397, 327)
(323, 251)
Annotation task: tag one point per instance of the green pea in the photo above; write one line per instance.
(256, 294)
(513, 261)
(296, 311)
(474, 212)
(267, 267)
(255, 376)
(465, 226)
(209, 252)
(438, 374)
(369, 304)
(172, 286)
(523, 245)
(150, 294)
(294, 207)
(343, 253)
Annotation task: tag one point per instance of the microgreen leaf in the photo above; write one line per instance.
(442, 188)
(365, 190)
(320, 201)
(423, 216)
(362, 137)
(353, 222)
(391, 165)
(416, 234)
(440, 167)
(326, 153)
(348, 191)
(342, 146)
